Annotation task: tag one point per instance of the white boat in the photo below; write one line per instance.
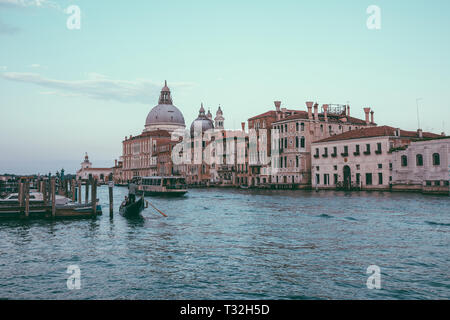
(36, 197)
(162, 186)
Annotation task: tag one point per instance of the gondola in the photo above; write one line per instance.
(132, 209)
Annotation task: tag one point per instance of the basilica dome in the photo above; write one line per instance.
(202, 121)
(164, 116)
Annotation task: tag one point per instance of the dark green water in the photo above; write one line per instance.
(237, 244)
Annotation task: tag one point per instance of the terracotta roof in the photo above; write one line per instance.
(331, 118)
(376, 132)
(271, 113)
(154, 133)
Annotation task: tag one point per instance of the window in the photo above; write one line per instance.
(358, 167)
(404, 161)
(358, 178)
(419, 160)
(296, 141)
(321, 128)
(356, 150)
(317, 153)
(317, 178)
(302, 142)
(302, 126)
(325, 152)
(296, 126)
(436, 159)
(437, 183)
(368, 179)
(380, 178)
(380, 166)
(296, 161)
(335, 167)
(367, 149)
(334, 152)
(335, 178)
(378, 151)
(326, 179)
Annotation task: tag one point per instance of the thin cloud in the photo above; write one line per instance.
(7, 29)
(97, 86)
(28, 4)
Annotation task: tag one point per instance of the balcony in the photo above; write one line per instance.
(356, 153)
(316, 156)
(334, 155)
(367, 152)
(344, 154)
(378, 152)
(325, 155)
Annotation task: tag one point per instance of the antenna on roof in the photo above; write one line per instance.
(418, 119)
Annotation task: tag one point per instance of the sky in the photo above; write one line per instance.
(64, 92)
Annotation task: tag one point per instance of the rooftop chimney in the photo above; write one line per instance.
(316, 112)
(277, 105)
(367, 111)
(309, 105)
(325, 112)
(243, 126)
(371, 116)
(420, 133)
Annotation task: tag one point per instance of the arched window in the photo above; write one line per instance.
(302, 142)
(419, 160)
(436, 159)
(302, 126)
(296, 142)
(404, 161)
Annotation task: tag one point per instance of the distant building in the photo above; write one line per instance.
(422, 166)
(87, 172)
(359, 158)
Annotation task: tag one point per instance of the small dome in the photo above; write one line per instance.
(202, 122)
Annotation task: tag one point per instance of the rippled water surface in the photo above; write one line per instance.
(237, 244)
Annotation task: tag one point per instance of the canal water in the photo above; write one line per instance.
(237, 244)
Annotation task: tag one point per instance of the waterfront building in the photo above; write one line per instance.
(289, 151)
(422, 166)
(197, 170)
(259, 170)
(359, 159)
(87, 172)
(139, 152)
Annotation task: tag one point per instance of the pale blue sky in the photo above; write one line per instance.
(64, 92)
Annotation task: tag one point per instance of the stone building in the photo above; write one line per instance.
(289, 151)
(422, 166)
(139, 152)
(359, 159)
(87, 172)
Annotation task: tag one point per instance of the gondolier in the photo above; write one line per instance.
(132, 192)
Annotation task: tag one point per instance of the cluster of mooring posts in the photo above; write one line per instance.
(45, 204)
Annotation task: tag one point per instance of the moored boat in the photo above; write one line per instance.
(172, 186)
(132, 209)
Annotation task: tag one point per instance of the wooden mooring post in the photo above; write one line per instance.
(53, 192)
(94, 196)
(27, 198)
(111, 200)
(73, 190)
(79, 191)
(21, 192)
(86, 191)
